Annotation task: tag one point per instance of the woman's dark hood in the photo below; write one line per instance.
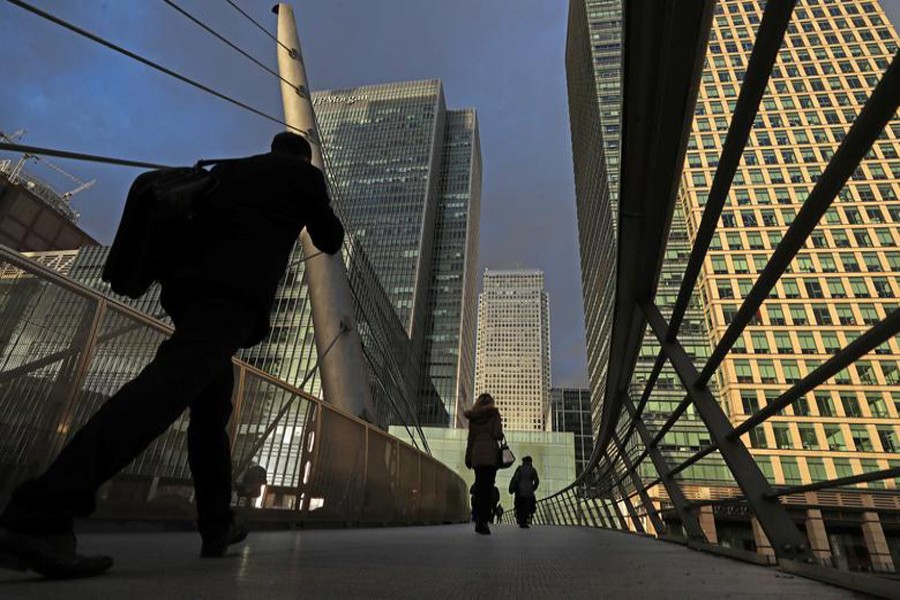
(480, 412)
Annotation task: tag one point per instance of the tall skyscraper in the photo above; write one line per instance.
(571, 409)
(845, 279)
(512, 360)
(593, 68)
(448, 368)
(406, 176)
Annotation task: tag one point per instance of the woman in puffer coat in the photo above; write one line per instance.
(482, 455)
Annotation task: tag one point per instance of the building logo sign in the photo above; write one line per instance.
(339, 99)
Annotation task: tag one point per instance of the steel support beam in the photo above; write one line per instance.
(345, 380)
(652, 514)
(623, 524)
(688, 517)
(784, 535)
(632, 511)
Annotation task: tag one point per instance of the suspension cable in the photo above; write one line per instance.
(226, 41)
(260, 27)
(145, 61)
(36, 150)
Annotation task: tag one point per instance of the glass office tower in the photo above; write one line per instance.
(406, 179)
(593, 68)
(593, 54)
(448, 370)
(572, 413)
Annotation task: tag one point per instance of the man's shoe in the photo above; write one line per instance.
(524, 526)
(482, 528)
(215, 545)
(51, 555)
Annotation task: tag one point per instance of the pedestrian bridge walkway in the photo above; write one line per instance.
(441, 562)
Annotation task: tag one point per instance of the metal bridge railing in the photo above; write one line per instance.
(664, 51)
(64, 349)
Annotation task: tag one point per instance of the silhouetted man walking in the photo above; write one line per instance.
(219, 298)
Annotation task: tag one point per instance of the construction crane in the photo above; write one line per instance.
(17, 169)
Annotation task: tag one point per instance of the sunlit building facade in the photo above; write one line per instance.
(842, 282)
(512, 359)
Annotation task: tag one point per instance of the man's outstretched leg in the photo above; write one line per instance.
(36, 527)
(209, 455)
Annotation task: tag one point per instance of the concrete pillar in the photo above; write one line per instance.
(763, 546)
(876, 543)
(708, 524)
(818, 536)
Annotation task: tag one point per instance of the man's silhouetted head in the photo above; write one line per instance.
(292, 143)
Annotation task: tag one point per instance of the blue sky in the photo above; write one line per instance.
(503, 57)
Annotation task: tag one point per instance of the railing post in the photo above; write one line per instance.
(635, 519)
(623, 524)
(652, 514)
(69, 380)
(786, 539)
(688, 517)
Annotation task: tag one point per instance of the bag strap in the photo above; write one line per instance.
(205, 162)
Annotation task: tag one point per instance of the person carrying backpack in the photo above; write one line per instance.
(219, 295)
(523, 484)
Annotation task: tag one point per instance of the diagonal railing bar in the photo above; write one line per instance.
(872, 119)
(79, 156)
(651, 381)
(676, 495)
(671, 421)
(843, 481)
(780, 491)
(645, 396)
(772, 516)
(775, 19)
(874, 337)
(652, 513)
(871, 339)
(694, 458)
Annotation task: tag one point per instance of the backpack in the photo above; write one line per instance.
(156, 225)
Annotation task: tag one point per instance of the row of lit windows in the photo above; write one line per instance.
(826, 404)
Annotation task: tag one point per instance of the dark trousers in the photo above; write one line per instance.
(525, 506)
(191, 369)
(483, 498)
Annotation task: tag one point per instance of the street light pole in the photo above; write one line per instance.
(345, 382)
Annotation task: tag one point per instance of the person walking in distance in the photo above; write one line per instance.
(482, 455)
(219, 297)
(523, 484)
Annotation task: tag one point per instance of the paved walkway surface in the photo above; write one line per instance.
(421, 563)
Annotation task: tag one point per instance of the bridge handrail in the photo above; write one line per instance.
(331, 458)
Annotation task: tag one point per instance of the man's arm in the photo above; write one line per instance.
(537, 481)
(323, 226)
